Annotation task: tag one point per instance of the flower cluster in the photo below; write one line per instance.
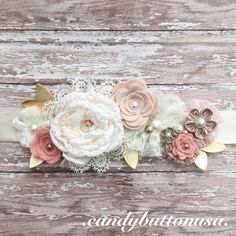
(89, 123)
(185, 143)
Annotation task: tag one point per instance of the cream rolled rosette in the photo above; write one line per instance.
(86, 125)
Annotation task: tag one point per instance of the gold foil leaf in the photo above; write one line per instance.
(35, 161)
(31, 103)
(201, 161)
(43, 95)
(214, 147)
(131, 158)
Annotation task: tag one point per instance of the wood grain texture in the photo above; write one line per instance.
(15, 159)
(73, 199)
(184, 47)
(117, 14)
(222, 94)
(160, 58)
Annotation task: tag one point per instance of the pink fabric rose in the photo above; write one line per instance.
(137, 103)
(185, 146)
(43, 147)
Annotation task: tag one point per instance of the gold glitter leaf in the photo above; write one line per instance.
(214, 147)
(43, 95)
(201, 161)
(31, 103)
(35, 161)
(131, 158)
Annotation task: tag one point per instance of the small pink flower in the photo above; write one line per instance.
(137, 103)
(186, 146)
(43, 147)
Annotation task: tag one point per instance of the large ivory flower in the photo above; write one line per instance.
(137, 103)
(86, 125)
(28, 120)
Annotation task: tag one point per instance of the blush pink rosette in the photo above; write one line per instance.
(137, 103)
(43, 147)
(186, 146)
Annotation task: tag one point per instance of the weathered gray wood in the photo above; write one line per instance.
(117, 14)
(58, 204)
(222, 94)
(163, 58)
(14, 159)
(184, 58)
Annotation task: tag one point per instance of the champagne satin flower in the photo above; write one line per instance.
(200, 123)
(137, 103)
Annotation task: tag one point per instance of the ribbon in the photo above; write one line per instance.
(226, 130)
(7, 132)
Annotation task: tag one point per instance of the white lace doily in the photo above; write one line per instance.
(100, 164)
(105, 87)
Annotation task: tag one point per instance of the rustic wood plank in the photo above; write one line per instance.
(117, 15)
(15, 158)
(222, 94)
(163, 58)
(58, 204)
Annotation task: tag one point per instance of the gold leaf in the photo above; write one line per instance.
(131, 158)
(214, 147)
(201, 161)
(43, 95)
(35, 161)
(31, 103)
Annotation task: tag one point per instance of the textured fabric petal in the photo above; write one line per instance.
(206, 114)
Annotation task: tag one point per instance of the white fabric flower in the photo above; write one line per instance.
(27, 121)
(171, 112)
(86, 125)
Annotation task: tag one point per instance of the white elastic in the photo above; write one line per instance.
(226, 130)
(7, 132)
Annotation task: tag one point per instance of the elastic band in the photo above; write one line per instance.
(7, 132)
(226, 129)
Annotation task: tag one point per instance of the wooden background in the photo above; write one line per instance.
(184, 46)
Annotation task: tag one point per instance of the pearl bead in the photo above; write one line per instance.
(88, 123)
(186, 145)
(49, 147)
(34, 127)
(155, 124)
(179, 128)
(200, 122)
(168, 135)
(135, 105)
(149, 129)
